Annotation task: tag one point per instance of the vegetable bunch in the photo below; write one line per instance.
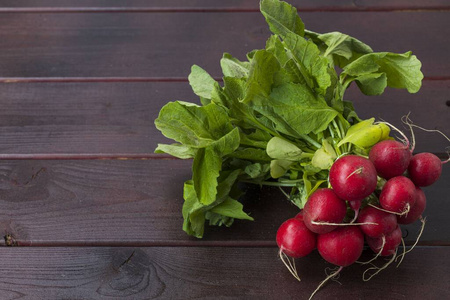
(378, 209)
(279, 118)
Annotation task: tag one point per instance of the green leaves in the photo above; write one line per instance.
(232, 67)
(201, 82)
(262, 69)
(193, 125)
(177, 150)
(365, 133)
(221, 211)
(278, 148)
(231, 208)
(401, 71)
(296, 110)
(325, 156)
(282, 17)
(372, 84)
(208, 163)
(341, 48)
(312, 66)
(205, 170)
(205, 128)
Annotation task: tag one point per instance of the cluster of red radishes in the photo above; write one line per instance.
(391, 176)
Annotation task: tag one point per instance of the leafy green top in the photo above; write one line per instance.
(279, 118)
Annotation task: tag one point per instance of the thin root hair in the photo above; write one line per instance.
(404, 213)
(290, 265)
(406, 120)
(357, 171)
(405, 139)
(329, 271)
(332, 275)
(447, 150)
(377, 255)
(341, 224)
(379, 269)
(423, 221)
(401, 255)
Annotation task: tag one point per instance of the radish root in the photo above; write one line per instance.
(407, 121)
(357, 171)
(342, 224)
(405, 139)
(448, 153)
(290, 265)
(328, 271)
(332, 275)
(404, 213)
(356, 216)
(378, 254)
(378, 269)
(401, 256)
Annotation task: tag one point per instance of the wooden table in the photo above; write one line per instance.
(91, 213)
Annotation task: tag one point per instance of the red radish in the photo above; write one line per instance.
(323, 206)
(385, 221)
(424, 169)
(416, 210)
(398, 194)
(342, 246)
(390, 158)
(295, 239)
(299, 215)
(355, 205)
(392, 240)
(353, 177)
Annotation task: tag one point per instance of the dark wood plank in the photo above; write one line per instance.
(166, 45)
(83, 118)
(241, 4)
(111, 118)
(138, 202)
(206, 273)
(429, 108)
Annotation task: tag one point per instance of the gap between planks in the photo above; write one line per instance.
(40, 10)
(184, 243)
(85, 156)
(130, 79)
(107, 156)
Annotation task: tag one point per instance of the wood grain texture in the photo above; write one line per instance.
(85, 79)
(241, 4)
(206, 273)
(166, 45)
(139, 203)
(110, 118)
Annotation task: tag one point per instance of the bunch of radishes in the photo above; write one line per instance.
(367, 199)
